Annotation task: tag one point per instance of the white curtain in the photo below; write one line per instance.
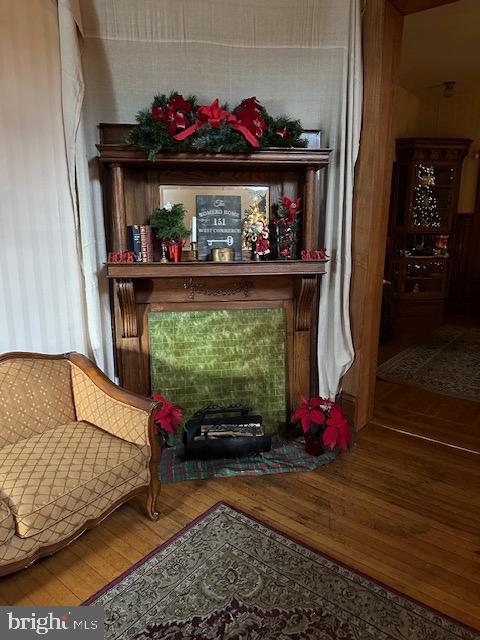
(300, 58)
(41, 285)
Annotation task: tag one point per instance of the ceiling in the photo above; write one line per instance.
(442, 44)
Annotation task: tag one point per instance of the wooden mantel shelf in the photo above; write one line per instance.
(131, 155)
(208, 269)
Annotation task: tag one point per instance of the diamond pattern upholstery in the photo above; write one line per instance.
(7, 523)
(35, 395)
(48, 476)
(19, 548)
(95, 406)
(68, 453)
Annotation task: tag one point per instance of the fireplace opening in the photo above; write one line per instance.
(222, 357)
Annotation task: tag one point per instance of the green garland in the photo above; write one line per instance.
(171, 115)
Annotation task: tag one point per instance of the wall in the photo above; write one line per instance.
(406, 112)
(456, 117)
(41, 305)
(429, 114)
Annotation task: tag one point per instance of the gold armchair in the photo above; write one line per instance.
(73, 447)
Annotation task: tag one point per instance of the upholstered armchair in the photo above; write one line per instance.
(73, 447)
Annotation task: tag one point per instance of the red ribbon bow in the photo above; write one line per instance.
(293, 207)
(214, 115)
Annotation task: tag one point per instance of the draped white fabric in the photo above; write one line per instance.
(300, 58)
(85, 188)
(41, 288)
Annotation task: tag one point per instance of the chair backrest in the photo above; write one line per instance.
(35, 395)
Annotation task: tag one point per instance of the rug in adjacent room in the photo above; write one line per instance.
(228, 576)
(448, 362)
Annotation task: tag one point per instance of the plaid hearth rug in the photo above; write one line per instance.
(285, 456)
(229, 576)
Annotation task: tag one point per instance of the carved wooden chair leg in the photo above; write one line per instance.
(151, 506)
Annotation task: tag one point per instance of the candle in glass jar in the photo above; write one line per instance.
(194, 229)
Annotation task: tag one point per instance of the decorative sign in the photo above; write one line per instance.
(219, 224)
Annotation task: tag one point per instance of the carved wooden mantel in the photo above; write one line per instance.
(131, 190)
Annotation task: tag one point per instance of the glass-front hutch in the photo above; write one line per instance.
(425, 187)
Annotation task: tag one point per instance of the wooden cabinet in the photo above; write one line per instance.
(425, 186)
(131, 187)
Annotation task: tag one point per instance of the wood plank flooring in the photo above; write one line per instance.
(400, 508)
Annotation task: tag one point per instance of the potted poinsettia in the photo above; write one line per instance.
(167, 419)
(324, 425)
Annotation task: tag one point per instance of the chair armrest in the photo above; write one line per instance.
(120, 412)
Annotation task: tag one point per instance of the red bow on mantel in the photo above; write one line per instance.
(214, 115)
(293, 207)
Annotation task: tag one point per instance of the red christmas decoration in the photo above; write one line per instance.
(169, 416)
(215, 116)
(172, 114)
(293, 206)
(337, 432)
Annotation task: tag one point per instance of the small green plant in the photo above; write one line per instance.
(168, 222)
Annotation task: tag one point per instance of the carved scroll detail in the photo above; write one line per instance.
(242, 286)
(303, 315)
(128, 312)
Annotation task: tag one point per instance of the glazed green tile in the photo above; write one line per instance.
(220, 357)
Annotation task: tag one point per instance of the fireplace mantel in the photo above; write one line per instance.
(131, 191)
(216, 269)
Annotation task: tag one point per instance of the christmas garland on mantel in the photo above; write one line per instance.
(174, 123)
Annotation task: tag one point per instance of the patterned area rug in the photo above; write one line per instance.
(285, 456)
(228, 576)
(448, 363)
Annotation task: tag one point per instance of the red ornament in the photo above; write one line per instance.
(282, 133)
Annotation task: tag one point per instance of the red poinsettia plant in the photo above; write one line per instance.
(167, 418)
(324, 420)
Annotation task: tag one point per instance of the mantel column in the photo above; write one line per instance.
(311, 209)
(119, 215)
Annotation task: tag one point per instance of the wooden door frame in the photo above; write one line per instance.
(382, 33)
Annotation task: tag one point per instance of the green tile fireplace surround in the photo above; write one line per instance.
(220, 357)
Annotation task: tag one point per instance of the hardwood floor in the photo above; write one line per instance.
(400, 508)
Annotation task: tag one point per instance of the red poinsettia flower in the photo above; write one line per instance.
(178, 103)
(309, 411)
(251, 104)
(169, 416)
(157, 113)
(337, 432)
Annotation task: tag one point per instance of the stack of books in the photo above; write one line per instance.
(140, 242)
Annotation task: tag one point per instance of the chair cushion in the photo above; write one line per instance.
(35, 395)
(47, 477)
